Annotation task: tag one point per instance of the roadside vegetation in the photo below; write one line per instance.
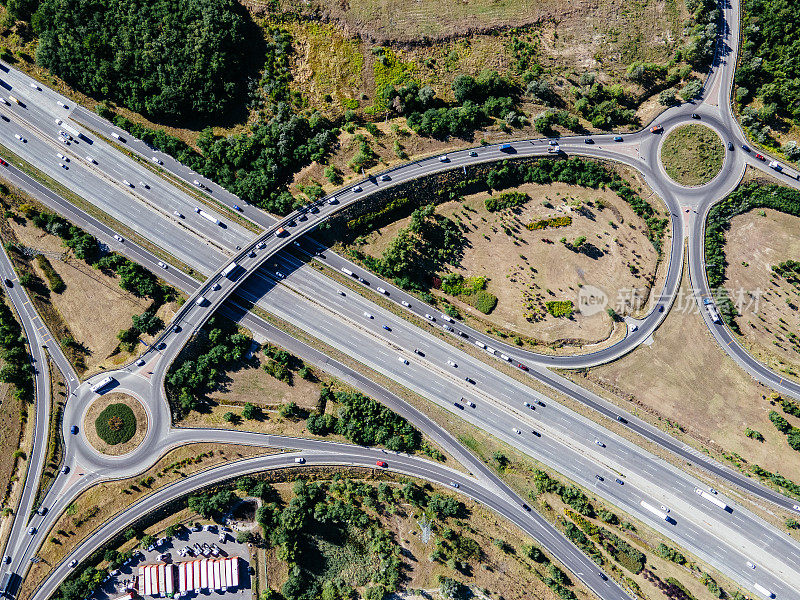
(116, 424)
(692, 155)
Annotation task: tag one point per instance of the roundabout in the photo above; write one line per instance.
(692, 155)
(115, 424)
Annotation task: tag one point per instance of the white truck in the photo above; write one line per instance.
(712, 498)
(763, 591)
(713, 313)
(229, 270)
(347, 272)
(205, 215)
(655, 511)
(201, 301)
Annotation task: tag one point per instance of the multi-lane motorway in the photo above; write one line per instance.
(162, 213)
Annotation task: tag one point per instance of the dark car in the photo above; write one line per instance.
(745, 147)
(526, 507)
(622, 419)
(588, 141)
(387, 328)
(730, 146)
(599, 478)
(617, 138)
(695, 116)
(73, 430)
(458, 406)
(540, 403)
(536, 433)
(8, 283)
(468, 380)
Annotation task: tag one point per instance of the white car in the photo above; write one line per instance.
(163, 265)
(118, 238)
(128, 183)
(299, 460)
(4, 101)
(115, 135)
(140, 362)
(452, 363)
(61, 104)
(599, 443)
(517, 431)
(34, 86)
(62, 157)
(157, 160)
(177, 214)
(91, 160)
(356, 189)
(444, 158)
(430, 318)
(402, 360)
(73, 563)
(144, 185)
(404, 303)
(32, 530)
(19, 137)
(215, 287)
(369, 316)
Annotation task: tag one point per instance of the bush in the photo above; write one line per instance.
(55, 281)
(564, 221)
(560, 308)
(116, 424)
(506, 200)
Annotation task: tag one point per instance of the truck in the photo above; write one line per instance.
(13, 99)
(281, 232)
(554, 149)
(655, 511)
(712, 312)
(200, 301)
(9, 584)
(71, 129)
(762, 590)
(480, 345)
(105, 382)
(229, 270)
(506, 148)
(205, 215)
(713, 499)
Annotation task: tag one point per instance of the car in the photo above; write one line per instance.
(356, 189)
(73, 430)
(19, 137)
(536, 433)
(156, 160)
(34, 86)
(444, 158)
(126, 182)
(621, 419)
(140, 362)
(4, 163)
(65, 469)
(617, 138)
(599, 478)
(32, 530)
(540, 403)
(404, 303)
(517, 431)
(745, 147)
(796, 507)
(162, 264)
(552, 142)
(118, 238)
(382, 291)
(341, 293)
(177, 214)
(387, 328)
(471, 404)
(144, 185)
(603, 576)
(6, 559)
(452, 363)
(760, 156)
(713, 491)
(458, 406)
(599, 443)
(176, 329)
(385, 177)
(252, 254)
(381, 464)
(527, 405)
(215, 287)
(454, 484)
(62, 157)
(526, 507)
(91, 159)
(4, 101)
(362, 280)
(161, 346)
(41, 511)
(8, 283)
(730, 146)
(402, 360)
(619, 481)
(473, 153)
(656, 129)
(237, 207)
(588, 141)
(299, 460)
(521, 366)
(333, 201)
(63, 166)
(429, 317)
(61, 104)
(73, 563)
(469, 380)
(447, 328)
(368, 315)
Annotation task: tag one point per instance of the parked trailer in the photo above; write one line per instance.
(234, 560)
(181, 578)
(229, 572)
(204, 573)
(652, 509)
(169, 590)
(144, 579)
(106, 381)
(153, 580)
(217, 576)
(712, 498)
(162, 580)
(196, 575)
(763, 591)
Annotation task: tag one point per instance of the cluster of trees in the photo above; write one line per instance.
(505, 200)
(782, 425)
(166, 60)
(471, 290)
(570, 495)
(55, 281)
(699, 51)
(211, 505)
(422, 248)
(219, 345)
(478, 100)
(620, 550)
(319, 510)
(604, 106)
(560, 308)
(147, 322)
(770, 57)
(17, 369)
(670, 554)
(365, 422)
(741, 200)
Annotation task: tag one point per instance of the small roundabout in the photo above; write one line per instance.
(115, 424)
(692, 155)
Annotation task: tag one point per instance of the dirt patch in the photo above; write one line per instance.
(755, 242)
(526, 269)
(685, 379)
(692, 155)
(100, 404)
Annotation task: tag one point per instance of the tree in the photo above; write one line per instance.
(251, 411)
(147, 541)
(691, 90)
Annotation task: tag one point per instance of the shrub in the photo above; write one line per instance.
(753, 434)
(55, 281)
(560, 308)
(553, 222)
(506, 200)
(116, 424)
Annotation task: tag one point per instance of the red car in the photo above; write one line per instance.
(4, 163)
(523, 367)
(656, 129)
(381, 464)
(760, 156)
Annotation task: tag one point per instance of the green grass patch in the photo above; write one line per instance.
(692, 155)
(560, 308)
(471, 290)
(116, 424)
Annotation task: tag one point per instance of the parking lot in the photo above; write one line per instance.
(173, 547)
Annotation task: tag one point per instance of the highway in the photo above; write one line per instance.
(195, 314)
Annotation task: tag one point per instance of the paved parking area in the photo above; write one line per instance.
(116, 586)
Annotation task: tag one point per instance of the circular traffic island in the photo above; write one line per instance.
(115, 423)
(692, 155)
